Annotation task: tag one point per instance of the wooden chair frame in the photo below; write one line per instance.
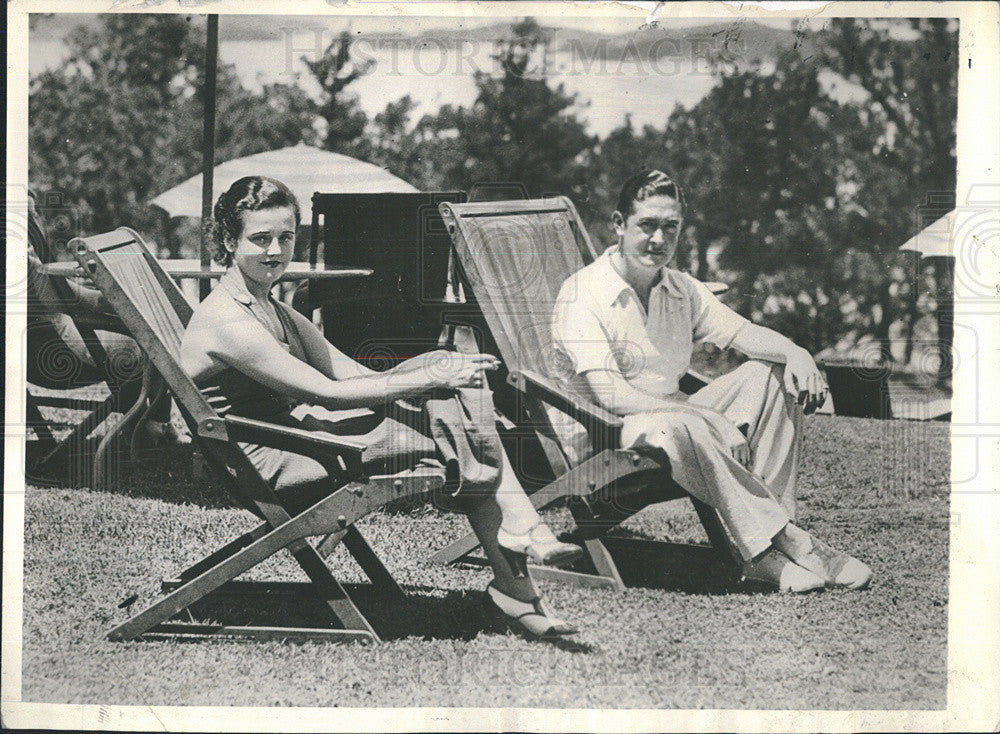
(51, 449)
(597, 488)
(155, 312)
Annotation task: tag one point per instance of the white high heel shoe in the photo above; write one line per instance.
(528, 618)
(540, 545)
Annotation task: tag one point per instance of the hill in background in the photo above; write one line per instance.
(741, 37)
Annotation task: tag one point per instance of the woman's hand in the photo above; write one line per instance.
(804, 381)
(453, 370)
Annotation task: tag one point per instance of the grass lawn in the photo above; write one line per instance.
(878, 489)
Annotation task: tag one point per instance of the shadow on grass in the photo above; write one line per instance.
(162, 473)
(423, 614)
(656, 564)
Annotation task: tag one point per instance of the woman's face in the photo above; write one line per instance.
(650, 234)
(265, 245)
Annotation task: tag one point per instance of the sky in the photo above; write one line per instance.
(646, 92)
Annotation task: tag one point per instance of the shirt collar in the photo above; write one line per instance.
(610, 284)
(233, 284)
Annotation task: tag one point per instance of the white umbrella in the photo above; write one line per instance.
(934, 240)
(937, 240)
(302, 168)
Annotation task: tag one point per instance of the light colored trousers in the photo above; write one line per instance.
(753, 504)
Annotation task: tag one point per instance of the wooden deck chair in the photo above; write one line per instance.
(514, 258)
(150, 304)
(73, 446)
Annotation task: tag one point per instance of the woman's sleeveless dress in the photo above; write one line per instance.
(455, 430)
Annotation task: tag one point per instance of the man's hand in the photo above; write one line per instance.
(730, 435)
(804, 381)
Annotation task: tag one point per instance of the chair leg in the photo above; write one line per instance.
(35, 421)
(326, 546)
(341, 508)
(287, 535)
(331, 591)
(155, 395)
(80, 431)
(221, 554)
(371, 564)
(567, 485)
(717, 536)
(130, 415)
(457, 550)
(607, 576)
(465, 545)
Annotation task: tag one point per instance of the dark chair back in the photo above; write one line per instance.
(395, 313)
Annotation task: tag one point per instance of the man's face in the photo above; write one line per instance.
(650, 234)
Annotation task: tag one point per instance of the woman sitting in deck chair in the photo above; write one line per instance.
(628, 322)
(252, 355)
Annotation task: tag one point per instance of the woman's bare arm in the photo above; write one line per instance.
(322, 355)
(333, 363)
(243, 343)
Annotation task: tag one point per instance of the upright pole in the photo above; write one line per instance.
(208, 148)
(944, 273)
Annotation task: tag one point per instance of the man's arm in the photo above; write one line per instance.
(802, 377)
(617, 395)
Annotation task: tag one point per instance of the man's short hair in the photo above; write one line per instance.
(645, 184)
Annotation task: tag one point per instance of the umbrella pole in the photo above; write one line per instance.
(208, 148)
(945, 274)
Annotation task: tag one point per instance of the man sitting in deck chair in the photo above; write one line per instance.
(59, 358)
(628, 322)
(253, 356)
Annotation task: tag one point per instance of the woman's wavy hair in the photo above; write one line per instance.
(645, 184)
(248, 194)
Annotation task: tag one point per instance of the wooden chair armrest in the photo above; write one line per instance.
(332, 451)
(540, 387)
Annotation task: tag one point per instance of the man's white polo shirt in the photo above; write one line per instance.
(600, 324)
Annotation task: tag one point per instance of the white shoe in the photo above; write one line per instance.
(532, 618)
(540, 545)
(839, 570)
(776, 570)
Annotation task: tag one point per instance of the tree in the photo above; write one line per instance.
(335, 70)
(910, 76)
(120, 120)
(810, 197)
(519, 131)
(99, 124)
(395, 147)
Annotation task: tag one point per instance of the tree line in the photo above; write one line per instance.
(798, 199)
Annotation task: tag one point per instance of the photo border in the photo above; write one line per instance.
(973, 701)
